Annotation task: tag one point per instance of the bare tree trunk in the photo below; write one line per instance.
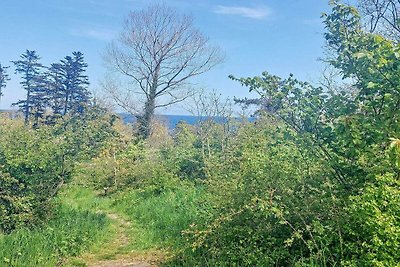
(28, 99)
(145, 120)
(158, 52)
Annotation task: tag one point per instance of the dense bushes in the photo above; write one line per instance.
(266, 197)
(373, 229)
(15, 203)
(314, 181)
(32, 169)
(318, 183)
(36, 162)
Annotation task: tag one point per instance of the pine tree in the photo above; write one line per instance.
(3, 78)
(67, 86)
(33, 82)
(40, 99)
(56, 88)
(75, 83)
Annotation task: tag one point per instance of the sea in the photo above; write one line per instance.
(172, 120)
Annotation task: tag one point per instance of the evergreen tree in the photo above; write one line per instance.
(32, 81)
(3, 78)
(40, 98)
(56, 88)
(75, 83)
(67, 86)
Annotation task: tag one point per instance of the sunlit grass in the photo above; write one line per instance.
(160, 219)
(69, 233)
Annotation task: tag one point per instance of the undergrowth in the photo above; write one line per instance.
(69, 233)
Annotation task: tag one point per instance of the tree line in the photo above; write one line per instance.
(51, 91)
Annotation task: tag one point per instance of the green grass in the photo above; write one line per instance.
(74, 228)
(69, 233)
(80, 225)
(160, 219)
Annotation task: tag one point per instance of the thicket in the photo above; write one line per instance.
(36, 162)
(314, 181)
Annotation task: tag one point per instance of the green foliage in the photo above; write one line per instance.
(162, 216)
(35, 163)
(15, 205)
(185, 156)
(32, 170)
(68, 233)
(30, 68)
(4, 78)
(313, 182)
(296, 189)
(374, 224)
(269, 202)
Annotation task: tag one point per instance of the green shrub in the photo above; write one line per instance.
(16, 207)
(373, 229)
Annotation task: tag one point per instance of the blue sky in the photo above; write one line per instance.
(279, 36)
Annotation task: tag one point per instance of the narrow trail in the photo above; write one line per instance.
(117, 250)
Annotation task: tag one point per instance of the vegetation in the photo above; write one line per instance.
(59, 91)
(3, 79)
(158, 52)
(313, 181)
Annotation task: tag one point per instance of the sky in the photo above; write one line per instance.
(278, 36)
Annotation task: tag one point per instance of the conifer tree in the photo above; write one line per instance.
(40, 99)
(56, 88)
(32, 81)
(75, 83)
(3, 78)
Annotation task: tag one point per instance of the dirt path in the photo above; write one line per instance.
(116, 251)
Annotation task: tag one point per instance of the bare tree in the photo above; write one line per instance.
(382, 16)
(157, 53)
(214, 115)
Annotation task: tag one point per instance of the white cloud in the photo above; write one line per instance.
(98, 34)
(248, 12)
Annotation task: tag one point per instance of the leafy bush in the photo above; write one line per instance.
(373, 229)
(35, 163)
(32, 169)
(15, 204)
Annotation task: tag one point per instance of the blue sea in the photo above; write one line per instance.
(173, 120)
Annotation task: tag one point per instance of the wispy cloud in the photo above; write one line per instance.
(98, 34)
(248, 12)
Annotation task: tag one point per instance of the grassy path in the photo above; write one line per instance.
(119, 247)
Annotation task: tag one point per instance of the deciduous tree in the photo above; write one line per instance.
(157, 53)
(382, 16)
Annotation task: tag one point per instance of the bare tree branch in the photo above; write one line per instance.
(382, 17)
(158, 52)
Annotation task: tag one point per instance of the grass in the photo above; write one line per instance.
(87, 228)
(75, 227)
(69, 233)
(160, 218)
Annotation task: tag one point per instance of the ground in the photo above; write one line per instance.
(118, 248)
